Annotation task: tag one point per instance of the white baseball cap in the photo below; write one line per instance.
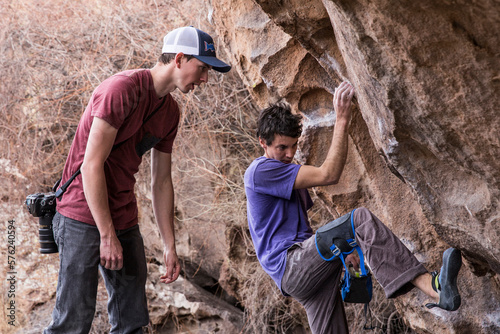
(196, 43)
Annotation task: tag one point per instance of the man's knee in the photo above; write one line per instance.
(361, 215)
(363, 211)
(335, 237)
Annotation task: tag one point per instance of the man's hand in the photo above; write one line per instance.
(353, 259)
(342, 101)
(162, 191)
(331, 169)
(111, 252)
(172, 265)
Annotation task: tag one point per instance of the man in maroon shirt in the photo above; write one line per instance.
(96, 223)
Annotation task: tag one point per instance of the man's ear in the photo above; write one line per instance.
(262, 143)
(178, 59)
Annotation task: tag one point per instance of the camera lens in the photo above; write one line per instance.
(46, 236)
(47, 243)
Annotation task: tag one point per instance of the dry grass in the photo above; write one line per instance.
(55, 54)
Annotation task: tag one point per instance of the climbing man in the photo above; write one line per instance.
(294, 257)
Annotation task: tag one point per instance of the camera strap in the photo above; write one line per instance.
(59, 192)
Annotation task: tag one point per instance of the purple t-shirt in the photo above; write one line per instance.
(277, 214)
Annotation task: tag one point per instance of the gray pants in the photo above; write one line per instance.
(315, 283)
(78, 280)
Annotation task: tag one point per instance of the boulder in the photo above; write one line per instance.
(425, 131)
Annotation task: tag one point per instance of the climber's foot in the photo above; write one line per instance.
(445, 283)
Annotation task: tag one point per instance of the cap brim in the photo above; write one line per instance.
(216, 64)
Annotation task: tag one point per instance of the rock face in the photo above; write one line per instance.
(425, 135)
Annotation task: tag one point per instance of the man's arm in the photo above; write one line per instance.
(101, 138)
(331, 169)
(163, 207)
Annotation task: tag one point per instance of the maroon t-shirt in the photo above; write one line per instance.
(124, 100)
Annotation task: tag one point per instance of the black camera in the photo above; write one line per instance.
(43, 206)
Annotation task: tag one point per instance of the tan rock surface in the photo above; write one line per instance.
(425, 135)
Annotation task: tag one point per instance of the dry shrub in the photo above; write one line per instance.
(56, 53)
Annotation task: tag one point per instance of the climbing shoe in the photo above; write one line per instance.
(445, 283)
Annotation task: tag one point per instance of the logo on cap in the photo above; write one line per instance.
(209, 46)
